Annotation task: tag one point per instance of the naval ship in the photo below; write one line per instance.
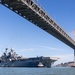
(11, 59)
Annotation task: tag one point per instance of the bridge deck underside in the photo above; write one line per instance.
(29, 14)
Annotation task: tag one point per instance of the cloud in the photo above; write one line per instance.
(39, 48)
(50, 48)
(72, 34)
(64, 58)
(26, 50)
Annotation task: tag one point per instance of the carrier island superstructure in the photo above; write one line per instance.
(11, 59)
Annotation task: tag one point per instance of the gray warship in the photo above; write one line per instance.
(11, 59)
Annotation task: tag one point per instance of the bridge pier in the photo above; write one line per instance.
(74, 57)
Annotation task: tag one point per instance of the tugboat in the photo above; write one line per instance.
(11, 59)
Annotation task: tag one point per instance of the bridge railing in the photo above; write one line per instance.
(38, 4)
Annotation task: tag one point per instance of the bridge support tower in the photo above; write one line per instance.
(74, 57)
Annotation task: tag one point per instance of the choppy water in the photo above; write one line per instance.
(37, 71)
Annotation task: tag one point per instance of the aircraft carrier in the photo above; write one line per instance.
(11, 59)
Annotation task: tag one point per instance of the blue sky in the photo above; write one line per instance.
(29, 40)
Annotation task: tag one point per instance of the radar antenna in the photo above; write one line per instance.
(6, 49)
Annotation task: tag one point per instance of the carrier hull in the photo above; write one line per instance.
(11, 59)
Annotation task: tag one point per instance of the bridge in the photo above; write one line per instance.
(31, 11)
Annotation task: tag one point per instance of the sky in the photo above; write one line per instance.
(29, 40)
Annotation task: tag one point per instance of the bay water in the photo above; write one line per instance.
(37, 71)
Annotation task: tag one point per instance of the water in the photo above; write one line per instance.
(37, 71)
